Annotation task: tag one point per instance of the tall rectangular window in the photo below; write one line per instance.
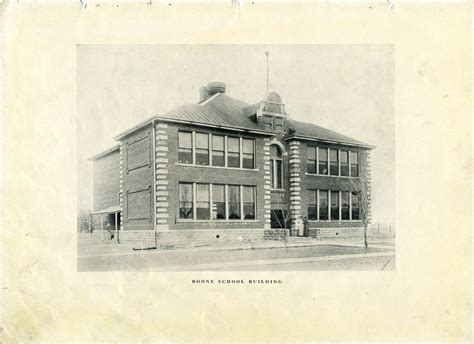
(354, 164)
(312, 204)
(185, 147)
(233, 152)
(323, 205)
(334, 161)
(202, 202)
(268, 122)
(279, 174)
(202, 149)
(186, 201)
(323, 160)
(248, 153)
(218, 150)
(278, 124)
(355, 206)
(345, 205)
(218, 202)
(249, 202)
(334, 205)
(234, 202)
(345, 163)
(311, 161)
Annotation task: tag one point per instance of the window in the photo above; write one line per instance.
(185, 147)
(344, 155)
(273, 123)
(355, 206)
(218, 201)
(278, 124)
(276, 167)
(268, 121)
(218, 150)
(334, 205)
(186, 201)
(354, 164)
(234, 202)
(345, 205)
(233, 152)
(249, 202)
(202, 202)
(334, 163)
(229, 202)
(323, 160)
(199, 149)
(311, 162)
(312, 204)
(323, 205)
(202, 149)
(248, 153)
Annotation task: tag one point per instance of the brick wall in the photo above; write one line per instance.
(314, 182)
(106, 180)
(202, 174)
(137, 180)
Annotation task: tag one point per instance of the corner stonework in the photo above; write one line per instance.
(161, 182)
(121, 185)
(267, 186)
(368, 186)
(295, 184)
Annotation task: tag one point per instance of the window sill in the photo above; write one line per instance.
(218, 167)
(216, 221)
(336, 221)
(326, 175)
(278, 190)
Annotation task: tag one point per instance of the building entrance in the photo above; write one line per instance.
(280, 218)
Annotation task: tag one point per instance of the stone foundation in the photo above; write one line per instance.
(185, 238)
(322, 233)
(276, 234)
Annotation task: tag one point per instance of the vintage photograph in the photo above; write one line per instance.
(236, 157)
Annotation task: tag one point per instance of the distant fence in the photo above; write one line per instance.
(382, 228)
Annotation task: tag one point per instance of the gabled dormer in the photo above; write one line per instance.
(271, 114)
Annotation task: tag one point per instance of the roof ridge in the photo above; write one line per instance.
(207, 100)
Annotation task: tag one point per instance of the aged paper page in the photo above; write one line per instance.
(46, 48)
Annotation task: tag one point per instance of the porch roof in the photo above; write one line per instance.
(109, 210)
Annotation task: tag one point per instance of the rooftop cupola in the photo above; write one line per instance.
(271, 113)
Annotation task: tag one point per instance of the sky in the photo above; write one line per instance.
(345, 88)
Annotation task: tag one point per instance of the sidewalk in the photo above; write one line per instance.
(264, 256)
(114, 249)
